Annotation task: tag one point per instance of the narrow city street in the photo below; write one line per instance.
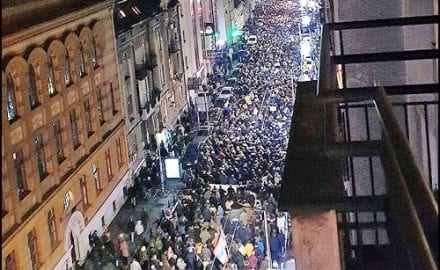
(232, 186)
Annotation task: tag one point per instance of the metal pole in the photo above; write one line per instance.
(207, 111)
(198, 117)
(267, 238)
(162, 182)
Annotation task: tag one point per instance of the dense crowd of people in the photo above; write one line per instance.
(234, 186)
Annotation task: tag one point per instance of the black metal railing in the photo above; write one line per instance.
(388, 216)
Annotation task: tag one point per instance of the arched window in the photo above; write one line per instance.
(93, 50)
(12, 106)
(33, 98)
(51, 79)
(82, 68)
(67, 79)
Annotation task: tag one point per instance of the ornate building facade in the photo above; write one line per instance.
(64, 152)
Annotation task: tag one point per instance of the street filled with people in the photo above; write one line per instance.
(226, 216)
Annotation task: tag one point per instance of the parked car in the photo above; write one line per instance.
(191, 155)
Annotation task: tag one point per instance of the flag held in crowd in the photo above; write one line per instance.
(220, 250)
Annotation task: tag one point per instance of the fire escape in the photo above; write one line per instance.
(388, 218)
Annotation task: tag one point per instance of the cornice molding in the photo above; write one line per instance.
(35, 30)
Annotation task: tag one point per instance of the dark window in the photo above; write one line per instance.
(20, 174)
(67, 79)
(33, 98)
(74, 129)
(130, 105)
(12, 106)
(41, 159)
(51, 80)
(112, 95)
(119, 151)
(88, 117)
(32, 244)
(100, 107)
(83, 185)
(58, 138)
(108, 163)
(10, 262)
(52, 228)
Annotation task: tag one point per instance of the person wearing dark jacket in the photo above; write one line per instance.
(190, 259)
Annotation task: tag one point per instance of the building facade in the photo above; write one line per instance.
(139, 101)
(168, 78)
(64, 152)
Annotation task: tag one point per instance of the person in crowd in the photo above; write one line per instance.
(245, 154)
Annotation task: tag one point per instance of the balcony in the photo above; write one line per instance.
(173, 48)
(150, 108)
(141, 71)
(352, 180)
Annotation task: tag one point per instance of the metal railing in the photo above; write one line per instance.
(388, 218)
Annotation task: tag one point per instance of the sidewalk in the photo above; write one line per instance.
(154, 209)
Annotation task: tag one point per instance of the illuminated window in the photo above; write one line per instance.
(95, 171)
(119, 151)
(32, 245)
(82, 68)
(83, 186)
(12, 106)
(67, 79)
(108, 163)
(122, 14)
(93, 50)
(51, 80)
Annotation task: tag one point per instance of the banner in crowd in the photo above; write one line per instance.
(220, 250)
(225, 187)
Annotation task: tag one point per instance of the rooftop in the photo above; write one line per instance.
(19, 15)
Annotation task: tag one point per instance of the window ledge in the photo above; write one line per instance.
(15, 119)
(23, 194)
(35, 106)
(44, 176)
(61, 160)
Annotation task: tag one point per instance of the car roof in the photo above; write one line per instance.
(227, 88)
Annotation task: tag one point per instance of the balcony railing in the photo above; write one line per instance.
(173, 48)
(350, 151)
